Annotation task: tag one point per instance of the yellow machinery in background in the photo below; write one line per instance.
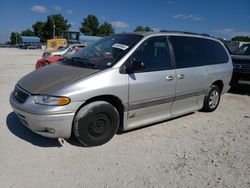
(69, 37)
(54, 44)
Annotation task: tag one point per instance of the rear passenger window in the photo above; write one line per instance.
(154, 54)
(191, 51)
(187, 51)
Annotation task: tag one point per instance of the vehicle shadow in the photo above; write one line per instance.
(18, 129)
(240, 91)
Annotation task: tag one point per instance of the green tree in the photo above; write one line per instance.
(27, 32)
(14, 38)
(140, 28)
(38, 28)
(90, 26)
(148, 29)
(105, 29)
(56, 21)
(241, 38)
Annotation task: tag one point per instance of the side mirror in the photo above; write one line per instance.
(134, 66)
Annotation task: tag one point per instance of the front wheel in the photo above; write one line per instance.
(212, 100)
(96, 123)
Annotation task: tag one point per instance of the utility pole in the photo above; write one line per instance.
(16, 38)
(54, 29)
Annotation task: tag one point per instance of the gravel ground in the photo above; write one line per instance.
(197, 150)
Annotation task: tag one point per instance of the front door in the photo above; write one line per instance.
(152, 90)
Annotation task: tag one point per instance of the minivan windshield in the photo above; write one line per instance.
(104, 53)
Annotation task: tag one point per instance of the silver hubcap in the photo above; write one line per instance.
(213, 99)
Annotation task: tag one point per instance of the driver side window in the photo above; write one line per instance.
(153, 54)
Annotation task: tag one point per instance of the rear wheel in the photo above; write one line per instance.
(96, 123)
(212, 100)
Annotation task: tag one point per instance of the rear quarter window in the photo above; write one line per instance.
(194, 51)
(215, 53)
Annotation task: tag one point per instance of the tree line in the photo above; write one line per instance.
(241, 38)
(90, 26)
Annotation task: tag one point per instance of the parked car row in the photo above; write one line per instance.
(240, 57)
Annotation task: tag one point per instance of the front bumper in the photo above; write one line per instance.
(240, 78)
(53, 124)
(240, 74)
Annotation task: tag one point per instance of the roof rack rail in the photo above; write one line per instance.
(185, 32)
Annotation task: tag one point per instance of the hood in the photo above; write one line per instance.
(240, 57)
(52, 77)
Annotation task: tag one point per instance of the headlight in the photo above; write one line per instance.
(52, 101)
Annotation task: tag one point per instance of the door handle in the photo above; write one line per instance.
(169, 78)
(181, 76)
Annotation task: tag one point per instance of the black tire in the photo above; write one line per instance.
(209, 106)
(96, 123)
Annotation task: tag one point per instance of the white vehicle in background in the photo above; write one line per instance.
(62, 50)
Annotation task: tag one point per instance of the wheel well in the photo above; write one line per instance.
(219, 83)
(115, 101)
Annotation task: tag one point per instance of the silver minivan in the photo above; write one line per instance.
(123, 81)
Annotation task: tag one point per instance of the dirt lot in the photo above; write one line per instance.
(197, 150)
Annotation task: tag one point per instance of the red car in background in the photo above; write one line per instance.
(55, 59)
(94, 54)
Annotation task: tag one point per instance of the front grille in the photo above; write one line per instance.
(245, 66)
(20, 95)
(241, 66)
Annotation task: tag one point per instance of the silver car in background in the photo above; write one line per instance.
(124, 81)
(62, 50)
